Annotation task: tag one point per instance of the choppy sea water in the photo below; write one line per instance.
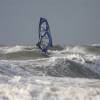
(69, 73)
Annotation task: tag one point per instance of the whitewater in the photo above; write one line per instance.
(67, 73)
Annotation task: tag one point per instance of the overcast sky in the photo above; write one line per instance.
(71, 21)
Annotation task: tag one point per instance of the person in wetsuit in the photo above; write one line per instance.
(39, 46)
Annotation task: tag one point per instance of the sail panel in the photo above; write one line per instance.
(45, 38)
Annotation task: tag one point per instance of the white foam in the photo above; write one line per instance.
(22, 85)
(14, 49)
(90, 61)
(46, 88)
(95, 44)
(76, 49)
(17, 48)
(42, 82)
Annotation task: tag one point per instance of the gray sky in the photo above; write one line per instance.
(71, 21)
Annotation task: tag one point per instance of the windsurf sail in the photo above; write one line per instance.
(45, 39)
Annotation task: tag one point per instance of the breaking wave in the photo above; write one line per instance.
(72, 61)
(67, 73)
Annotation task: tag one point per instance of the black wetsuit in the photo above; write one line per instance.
(43, 49)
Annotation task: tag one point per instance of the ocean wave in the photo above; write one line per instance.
(73, 49)
(72, 61)
(71, 73)
(56, 66)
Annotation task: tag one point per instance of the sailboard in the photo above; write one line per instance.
(45, 39)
